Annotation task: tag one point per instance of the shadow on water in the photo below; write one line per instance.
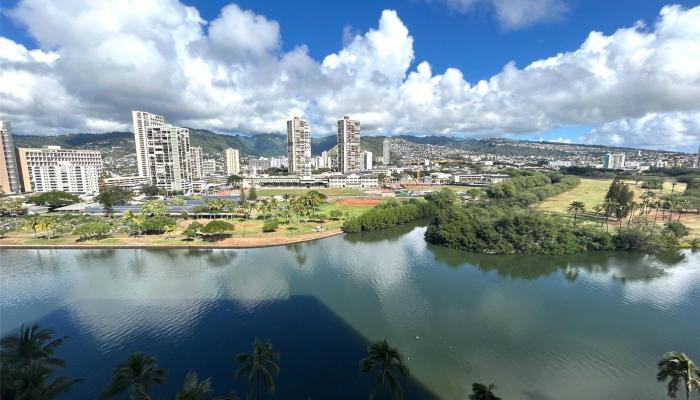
(627, 266)
(319, 358)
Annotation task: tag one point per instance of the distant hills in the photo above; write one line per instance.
(117, 144)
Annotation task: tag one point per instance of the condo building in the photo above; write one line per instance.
(349, 156)
(169, 158)
(366, 160)
(386, 151)
(142, 121)
(299, 146)
(614, 161)
(233, 161)
(9, 176)
(196, 158)
(52, 168)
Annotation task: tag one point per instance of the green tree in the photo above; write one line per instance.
(259, 367)
(679, 369)
(136, 376)
(156, 225)
(154, 208)
(387, 364)
(252, 194)
(576, 208)
(217, 229)
(29, 363)
(92, 230)
(483, 392)
(54, 199)
(193, 230)
(234, 179)
(113, 196)
(150, 190)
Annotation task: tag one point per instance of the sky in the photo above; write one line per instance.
(586, 71)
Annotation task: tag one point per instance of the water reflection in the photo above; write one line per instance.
(525, 322)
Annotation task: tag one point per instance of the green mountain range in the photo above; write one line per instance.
(117, 144)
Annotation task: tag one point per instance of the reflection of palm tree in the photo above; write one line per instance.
(259, 366)
(136, 375)
(386, 361)
(679, 369)
(194, 389)
(28, 363)
(483, 392)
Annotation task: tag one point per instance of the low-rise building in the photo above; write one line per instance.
(132, 182)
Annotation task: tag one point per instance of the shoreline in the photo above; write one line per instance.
(278, 241)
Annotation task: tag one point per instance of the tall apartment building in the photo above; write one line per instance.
(386, 151)
(366, 160)
(233, 161)
(142, 121)
(196, 160)
(9, 176)
(299, 146)
(614, 161)
(168, 157)
(349, 155)
(52, 168)
(697, 159)
(209, 167)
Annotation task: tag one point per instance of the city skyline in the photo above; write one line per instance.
(382, 73)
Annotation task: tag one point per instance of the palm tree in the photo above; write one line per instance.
(678, 368)
(33, 344)
(483, 392)
(576, 208)
(28, 362)
(259, 366)
(136, 376)
(387, 362)
(194, 389)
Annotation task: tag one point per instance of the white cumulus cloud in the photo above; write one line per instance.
(96, 61)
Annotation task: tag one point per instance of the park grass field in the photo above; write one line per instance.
(592, 192)
(248, 232)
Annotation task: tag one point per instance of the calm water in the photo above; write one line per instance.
(577, 327)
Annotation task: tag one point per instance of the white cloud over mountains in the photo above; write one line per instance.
(98, 60)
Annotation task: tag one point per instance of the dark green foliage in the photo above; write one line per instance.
(55, 199)
(336, 214)
(619, 198)
(135, 376)
(150, 190)
(113, 196)
(92, 230)
(252, 194)
(217, 229)
(156, 225)
(442, 198)
(259, 368)
(528, 189)
(388, 214)
(483, 392)
(676, 229)
(495, 230)
(652, 183)
(234, 179)
(193, 230)
(270, 225)
(387, 365)
(29, 365)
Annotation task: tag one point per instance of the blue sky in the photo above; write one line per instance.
(468, 35)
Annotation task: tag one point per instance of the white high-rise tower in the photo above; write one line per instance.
(142, 121)
(349, 155)
(233, 161)
(299, 146)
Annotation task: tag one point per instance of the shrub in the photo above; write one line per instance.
(270, 225)
(676, 229)
(336, 214)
